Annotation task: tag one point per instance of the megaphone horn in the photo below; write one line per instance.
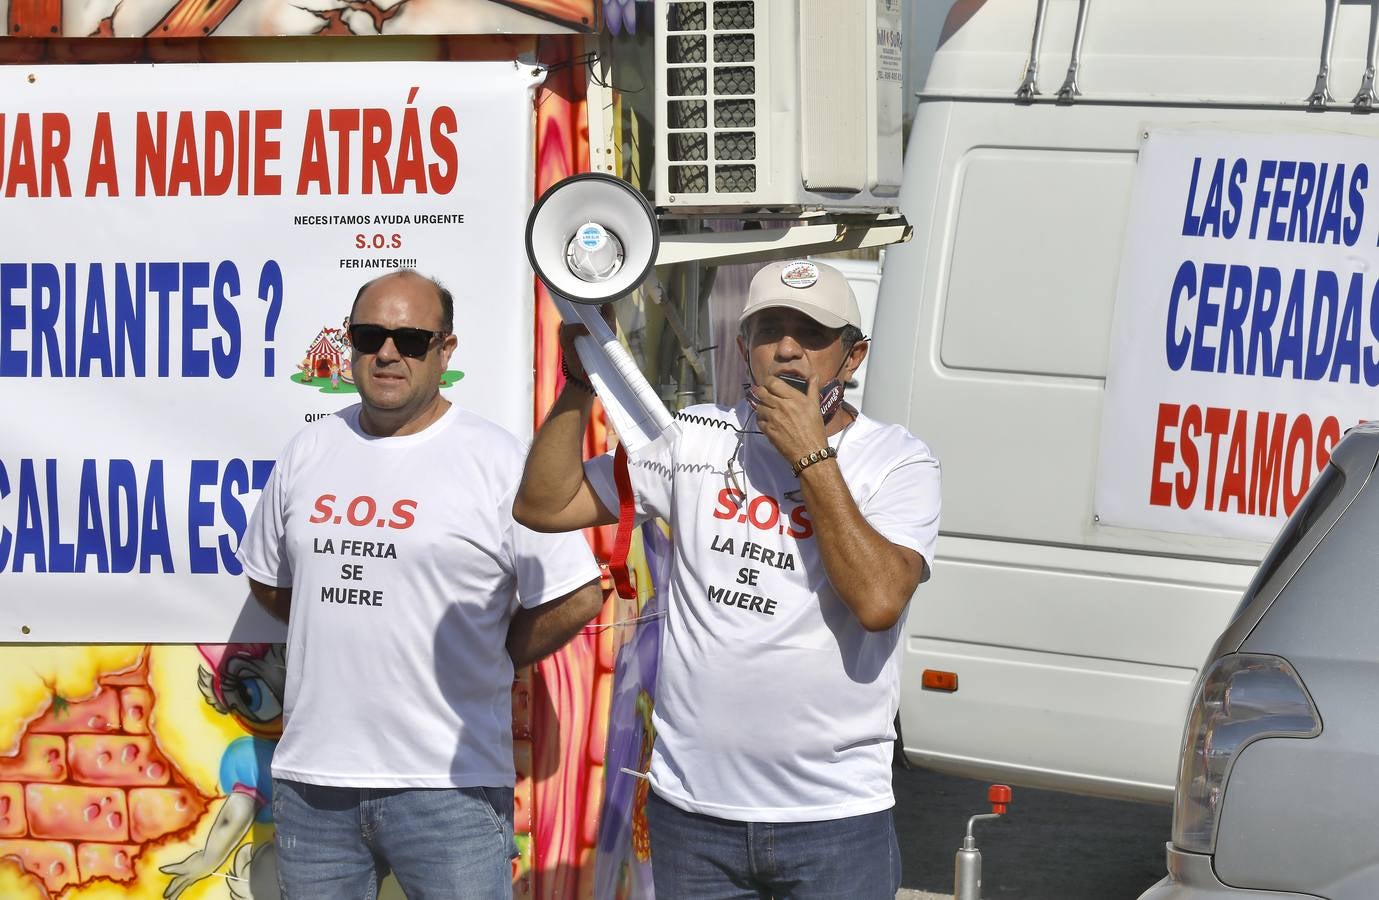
(592, 238)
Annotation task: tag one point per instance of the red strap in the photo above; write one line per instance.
(622, 539)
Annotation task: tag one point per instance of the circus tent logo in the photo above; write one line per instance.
(326, 364)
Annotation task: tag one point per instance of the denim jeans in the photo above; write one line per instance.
(338, 843)
(695, 857)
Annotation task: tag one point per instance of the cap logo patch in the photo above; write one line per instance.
(801, 274)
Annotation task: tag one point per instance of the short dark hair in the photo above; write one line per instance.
(851, 335)
(446, 298)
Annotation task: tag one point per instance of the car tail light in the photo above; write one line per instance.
(1240, 698)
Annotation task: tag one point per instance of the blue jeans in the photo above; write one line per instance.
(696, 857)
(337, 843)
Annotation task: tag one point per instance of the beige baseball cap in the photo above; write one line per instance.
(817, 290)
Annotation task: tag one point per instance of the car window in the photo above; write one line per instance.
(1327, 488)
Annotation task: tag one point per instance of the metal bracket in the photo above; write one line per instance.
(600, 110)
(654, 291)
(1321, 91)
(1069, 91)
(1367, 99)
(1029, 87)
(735, 247)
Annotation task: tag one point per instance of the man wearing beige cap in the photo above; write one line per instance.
(800, 528)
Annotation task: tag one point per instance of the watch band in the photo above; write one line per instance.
(805, 462)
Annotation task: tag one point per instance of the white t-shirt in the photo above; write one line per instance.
(406, 567)
(773, 703)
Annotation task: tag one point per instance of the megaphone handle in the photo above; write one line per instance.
(597, 350)
(629, 373)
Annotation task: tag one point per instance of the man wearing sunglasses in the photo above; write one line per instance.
(801, 529)
(384, 539)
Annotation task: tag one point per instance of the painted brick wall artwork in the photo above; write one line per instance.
(137, 772)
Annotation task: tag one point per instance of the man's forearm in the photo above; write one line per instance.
(276, 601)
(554, 471)
(540, 631)
(874, 577)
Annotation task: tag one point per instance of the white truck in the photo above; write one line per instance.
(1074, 636)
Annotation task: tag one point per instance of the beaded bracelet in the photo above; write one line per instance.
(805, 462)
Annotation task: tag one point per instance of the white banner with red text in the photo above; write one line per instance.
(182, 247)
(1246, 335)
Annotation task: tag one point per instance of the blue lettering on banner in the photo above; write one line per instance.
(236, 480)
(1246, 319)
(1322, 332)
(131, 320)
(1295, 201)
(114, 519)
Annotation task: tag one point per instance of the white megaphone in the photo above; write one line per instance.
(591, 239)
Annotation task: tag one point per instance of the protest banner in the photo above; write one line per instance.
(1246, 335)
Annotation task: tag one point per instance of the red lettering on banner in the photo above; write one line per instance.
(378, 135)
(343, 122)
(20, 171)
(217, 171)
(204, 153)
(1233, 488)
(1266, 469)
(1217, 420)
(443, 126)
(410, 166)
(148, 155)
(392, 153)
(1159, 490)
(185, 170)
(1299, 451)
(1263, 473)
(57, 138)
(41, 172)
(1192, 429)
(101, 168)
(315, 167)
(266, 150)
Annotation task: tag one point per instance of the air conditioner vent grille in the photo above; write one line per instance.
(732, 114)
(689, 179)
(692, 113)
(735, 179)
(718, 153)
(734, 48)
(735, 145)
(687, 48)
(687, 17)
(734, 80)
(688, 82)
(729, 15)
(691, 146)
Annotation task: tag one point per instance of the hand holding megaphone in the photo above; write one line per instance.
(591, 239)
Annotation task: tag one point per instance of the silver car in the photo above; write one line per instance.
(1281, 748)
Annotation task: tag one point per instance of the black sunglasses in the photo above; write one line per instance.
(413, 342)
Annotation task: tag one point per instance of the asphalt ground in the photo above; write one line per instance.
(1049, 846)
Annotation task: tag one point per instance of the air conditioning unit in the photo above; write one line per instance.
(778, 106)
